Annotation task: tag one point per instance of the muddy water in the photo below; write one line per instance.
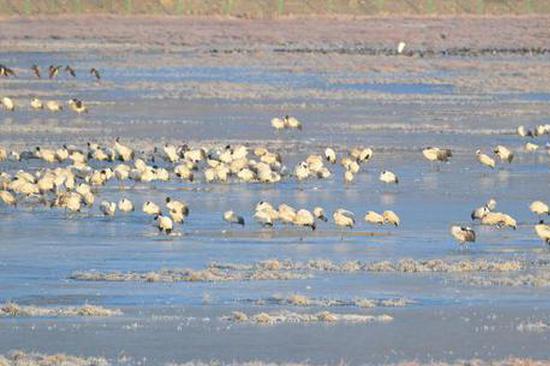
(148, 103)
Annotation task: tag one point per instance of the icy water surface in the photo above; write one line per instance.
(450, 316)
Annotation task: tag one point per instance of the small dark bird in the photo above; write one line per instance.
(70, 70)
(6, 71)
(36, 71)
(54, 70)
(95, 73)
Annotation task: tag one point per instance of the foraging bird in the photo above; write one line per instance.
(304, 218)
(361, 154)
(95, 73)
(36, 71)
(232, 218)
(54, 106)
(123, 152)
(480, 212)
(264, 218)
(530, 147)
(504, 153)
(164, 223)
(437, 154)
(485, 159)
(177, 215)
(125, 205)
(108, 208)
(543, 231)
(539, 208)
(291, 122)
(150, 208)
(388, 177)
(330, 155)
(287, 213)
(523, 132)
(463, 234)
(36, 103)
(343, 218)
(278, 123)
(319, 213)
(171, 153)
(265, 214)
(7, 198)
(177, 206)
(70, 70)
(77, 106)
(374, 218)
(391, 218)
(8, 104)
(401, 47)
(54, 71)
(499, 219)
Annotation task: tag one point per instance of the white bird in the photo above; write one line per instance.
(108, 208)
(499, 219)
(361, 154)
(264, 217)
(374, 218)
(123, 152)
(437, 154)
(485, 159)
(343, 218)
(287, 213)
(330, 155)
(388, 177)
(530, 147)
(77, 106)
(171, 153)
(36, 103)
(401, 47)
(348, 176)
(150, 208)
(177, 206)
(8, 104)
(543, 231)
(164, 223)
(304, 218)
(391, 218)
(54, 106)
(504, 153)
(523, 132)
(8, 198)
(463, 234)
(539, 208)
(291, 122)
(177, 215)
(232, 218)
(319, 213)
(301, 171)
(480, 212)
(278, 124)
(125, 205)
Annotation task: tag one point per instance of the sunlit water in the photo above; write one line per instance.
(41, 247)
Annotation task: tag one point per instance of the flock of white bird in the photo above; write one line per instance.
(51, 105)
(73, 183)
(74, 186)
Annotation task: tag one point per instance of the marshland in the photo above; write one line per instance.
(160, 216)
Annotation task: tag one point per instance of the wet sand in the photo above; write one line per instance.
(213, 81)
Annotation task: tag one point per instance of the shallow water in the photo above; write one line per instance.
(147, 103)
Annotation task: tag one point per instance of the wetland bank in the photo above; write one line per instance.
(230, 294)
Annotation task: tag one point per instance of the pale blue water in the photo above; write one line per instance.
(40, 248)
